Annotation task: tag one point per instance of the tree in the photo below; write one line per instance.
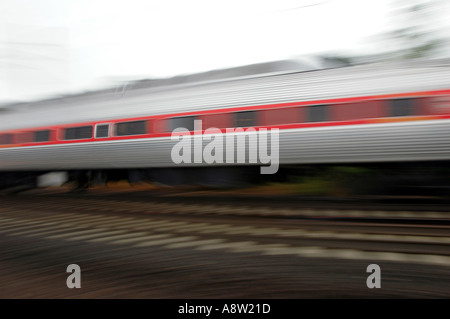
(415, 32)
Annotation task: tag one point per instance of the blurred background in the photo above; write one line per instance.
(49, 48)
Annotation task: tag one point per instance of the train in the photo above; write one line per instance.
(387, 114)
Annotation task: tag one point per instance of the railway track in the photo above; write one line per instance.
(123, 239)
(209, 203)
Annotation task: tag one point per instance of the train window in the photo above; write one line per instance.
(102, 131)
(220, 120)
(317, 113)
(186, 122)
(435, 105)
(33, 137)
(357, 110)
(25, 137)
(131, 128)
(41, 136)
(6, 139)
(402, 107)
(78, 133)
(245, 119)
(281, 116)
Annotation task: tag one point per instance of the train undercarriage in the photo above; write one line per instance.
(389, 179)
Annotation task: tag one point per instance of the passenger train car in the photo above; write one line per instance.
(396, 112)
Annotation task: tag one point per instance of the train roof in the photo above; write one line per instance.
(301, 64)
(276, 82)
(265, 69)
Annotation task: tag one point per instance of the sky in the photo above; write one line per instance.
(51, 47)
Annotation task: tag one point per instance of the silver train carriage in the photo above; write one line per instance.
(397, 112)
